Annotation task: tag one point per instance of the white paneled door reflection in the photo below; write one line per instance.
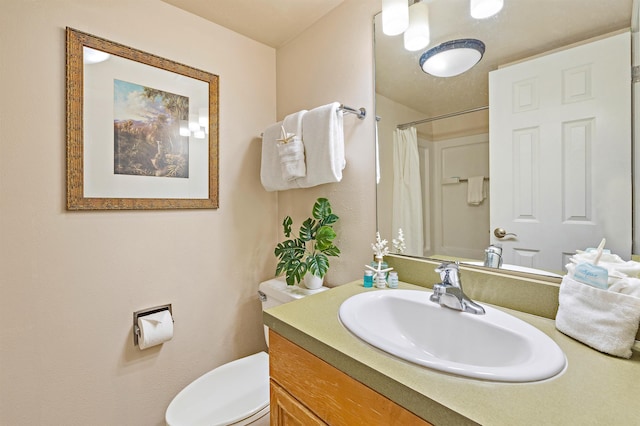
(560, 153)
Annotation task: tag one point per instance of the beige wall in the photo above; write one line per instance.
(69, 281)
(332, 61)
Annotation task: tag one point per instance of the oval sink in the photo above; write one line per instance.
(494, 346)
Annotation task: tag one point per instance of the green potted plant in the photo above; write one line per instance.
(307, 255)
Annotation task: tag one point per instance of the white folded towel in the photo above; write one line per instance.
(475, 190)
(628, 285)
(323, 138)
(271, 174)
(614, 264)
(292, 158)
(270, 171)
(605, 320)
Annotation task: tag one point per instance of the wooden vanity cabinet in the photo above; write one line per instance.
(306, 390)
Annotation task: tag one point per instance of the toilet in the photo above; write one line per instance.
(236, 393)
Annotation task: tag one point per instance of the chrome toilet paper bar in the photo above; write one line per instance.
(145, 312)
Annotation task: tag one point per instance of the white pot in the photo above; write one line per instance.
(312, 282)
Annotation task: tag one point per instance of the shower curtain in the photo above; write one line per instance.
(407, 190)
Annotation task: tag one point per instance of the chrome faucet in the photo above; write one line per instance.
(493, 256)
(449, 292)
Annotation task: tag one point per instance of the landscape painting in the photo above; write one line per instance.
(147, 137)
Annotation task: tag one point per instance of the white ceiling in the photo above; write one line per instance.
(522, 29)
(272, 22)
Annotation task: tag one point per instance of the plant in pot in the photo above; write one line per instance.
(307, 255)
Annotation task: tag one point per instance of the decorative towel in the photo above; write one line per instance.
(270, 172)
(628, 285)
(292, 158)
(605, 320)
(323, 138)
(475, 190)
(614, 264)
(270, 169)
(291, 155)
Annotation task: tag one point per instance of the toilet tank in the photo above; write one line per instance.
(275, 292)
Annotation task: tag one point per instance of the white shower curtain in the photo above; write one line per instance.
(407, 190)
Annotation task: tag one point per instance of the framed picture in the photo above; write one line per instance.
(142, 131)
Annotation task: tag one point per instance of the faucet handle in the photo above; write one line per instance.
(447, 265)
(449, 273)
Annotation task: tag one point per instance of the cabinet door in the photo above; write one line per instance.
(327, 393)
(288, 411)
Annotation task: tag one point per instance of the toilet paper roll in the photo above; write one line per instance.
(155, 329)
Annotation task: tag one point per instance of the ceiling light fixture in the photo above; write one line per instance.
(417, 37)
(481, 9)
(452, 58)
(395, 16)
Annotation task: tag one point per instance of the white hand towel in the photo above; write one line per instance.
(270, 171)
(270, 168)
(629, 286)
(292, 123)
(291, 156)
(323, 138)
(617, 267)
(605, 320)
(475, 190)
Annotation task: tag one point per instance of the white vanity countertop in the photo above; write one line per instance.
(594, 389)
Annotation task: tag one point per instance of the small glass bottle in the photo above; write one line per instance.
(380, 280)
(384, 264)
(368, 278)
(393, 279)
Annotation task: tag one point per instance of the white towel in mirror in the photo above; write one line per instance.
(475, 190)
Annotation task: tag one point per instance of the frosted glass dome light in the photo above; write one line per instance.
(452, 58)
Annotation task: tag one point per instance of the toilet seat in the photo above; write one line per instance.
(234, 393)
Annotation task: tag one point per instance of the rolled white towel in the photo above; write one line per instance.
(291, 155)
(270, 171)
(629, 286)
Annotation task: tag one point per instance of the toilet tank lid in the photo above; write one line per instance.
(279, 290)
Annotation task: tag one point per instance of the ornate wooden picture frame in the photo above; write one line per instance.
(142, 131)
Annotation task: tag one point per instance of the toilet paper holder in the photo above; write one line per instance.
(145, 312)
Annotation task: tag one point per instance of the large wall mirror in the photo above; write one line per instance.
(481, 171)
